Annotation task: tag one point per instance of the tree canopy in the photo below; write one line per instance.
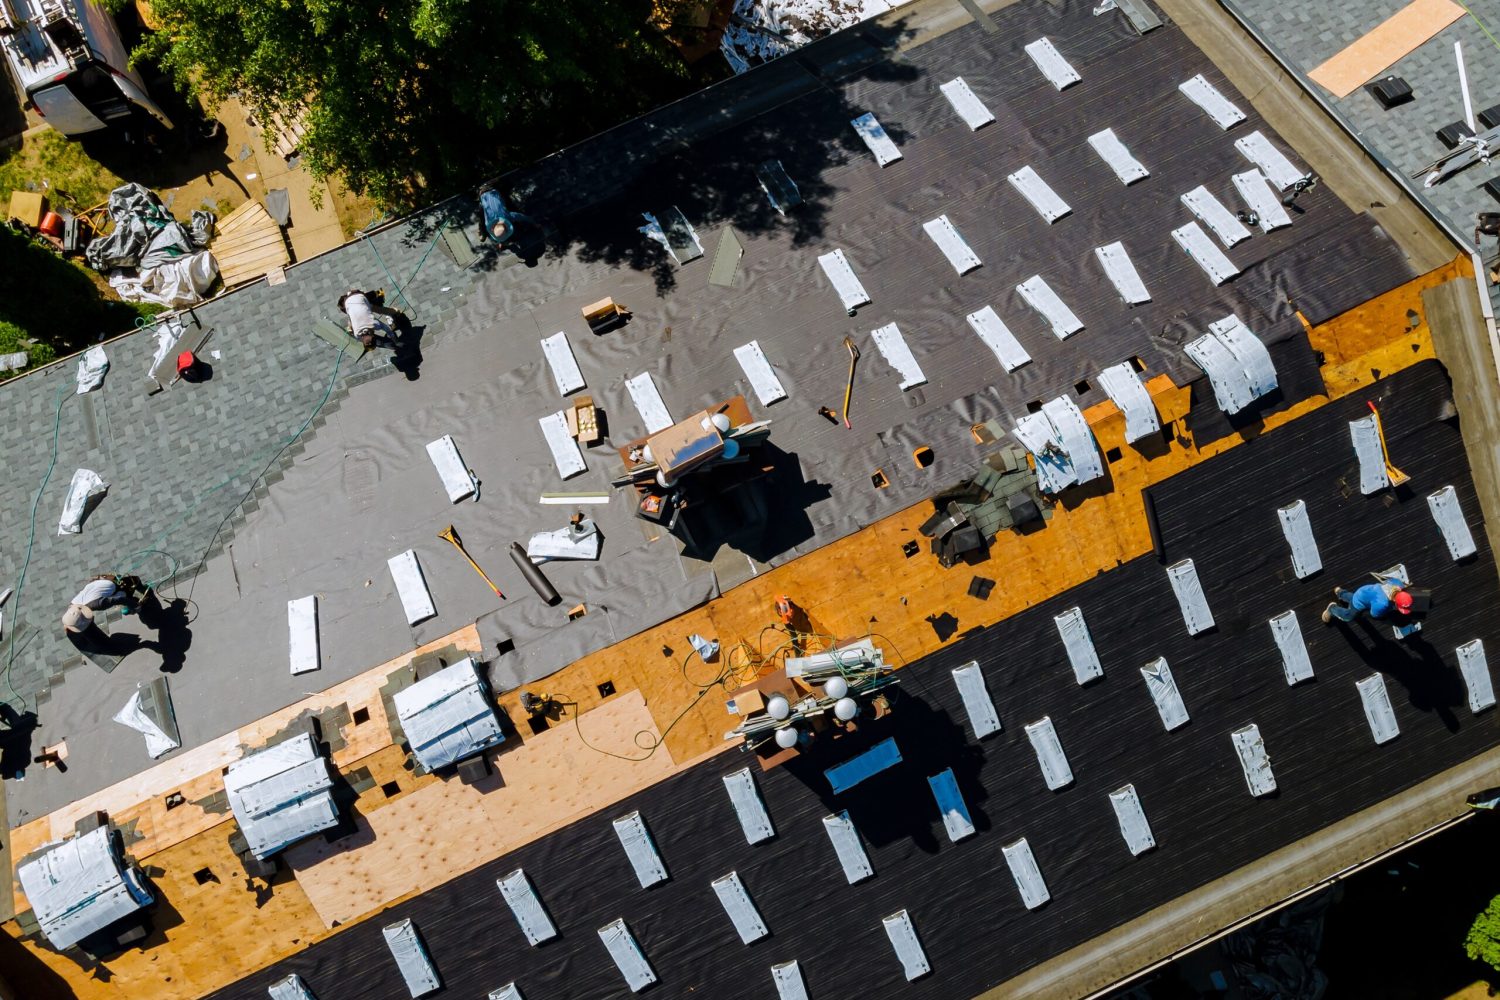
(1483, 941)
(407, 99)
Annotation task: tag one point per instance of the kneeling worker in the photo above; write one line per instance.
(102, 592)
(1377, 600)
(362, 308)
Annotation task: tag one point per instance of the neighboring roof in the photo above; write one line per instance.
(448, 716)
(962, 896)
(281, 794)
(1405, 135)
(363, 489)
(80, 886)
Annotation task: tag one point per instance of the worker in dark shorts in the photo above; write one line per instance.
(371, 322)
(99, 594)
(1375, 600)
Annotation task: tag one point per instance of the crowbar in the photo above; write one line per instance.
(1395, 475)
(849, 387)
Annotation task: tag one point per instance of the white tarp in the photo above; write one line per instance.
(175, 284)
(157, 741)
(85, 486)
(167, 334)
(91, 369)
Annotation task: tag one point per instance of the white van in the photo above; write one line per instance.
(69, 61)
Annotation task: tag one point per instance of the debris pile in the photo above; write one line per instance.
(171, 265)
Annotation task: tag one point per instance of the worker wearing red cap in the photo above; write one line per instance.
(1377, 600)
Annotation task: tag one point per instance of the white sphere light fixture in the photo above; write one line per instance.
(836, 687)
(786, 738)
(646, 455)
(778, 707)
(663, 481)
(720, 422)
(845, 709)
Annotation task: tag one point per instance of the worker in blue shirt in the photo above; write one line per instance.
(1376, 600)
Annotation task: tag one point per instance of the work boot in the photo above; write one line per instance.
(1328, 615)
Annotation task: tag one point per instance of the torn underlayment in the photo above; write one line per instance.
(84, 494)
(91, 369)
(157, 740)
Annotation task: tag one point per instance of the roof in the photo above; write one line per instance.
(1404, 135)
(448, 716)
(368, 431)
(281, 794)
(969, 916)
(362, 488)
(80, 886)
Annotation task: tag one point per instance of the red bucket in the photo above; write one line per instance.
(52, 224)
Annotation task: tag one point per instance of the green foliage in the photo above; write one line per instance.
(53, 303)
(407, 99)
(1483, 942)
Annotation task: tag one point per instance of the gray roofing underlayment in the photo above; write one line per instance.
(962, 898)
(358, 487)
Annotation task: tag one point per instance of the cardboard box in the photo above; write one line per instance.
(28, 207)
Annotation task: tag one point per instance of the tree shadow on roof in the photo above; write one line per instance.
(699, 155)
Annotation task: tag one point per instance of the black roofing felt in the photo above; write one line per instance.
(1222, 514)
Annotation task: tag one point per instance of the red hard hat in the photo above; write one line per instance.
(186, 360)
(1403, 602)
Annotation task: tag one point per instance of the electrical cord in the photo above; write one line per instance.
(755, 659)
(140, 555)
(10, 660)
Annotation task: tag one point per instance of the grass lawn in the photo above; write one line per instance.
(51, 164)
(50, 307)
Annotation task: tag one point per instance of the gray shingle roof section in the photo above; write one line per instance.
(1406, 134)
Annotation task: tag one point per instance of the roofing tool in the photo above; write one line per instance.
(448, 534)
(849, 386)
(1395, 475)
(824, 411)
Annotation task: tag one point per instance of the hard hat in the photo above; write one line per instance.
(1403, 602)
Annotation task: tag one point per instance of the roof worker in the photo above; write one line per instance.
(362, 308)
(501, 226)
(102, 592)
(1376, 600)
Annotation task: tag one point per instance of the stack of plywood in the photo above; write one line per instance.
(247, 244)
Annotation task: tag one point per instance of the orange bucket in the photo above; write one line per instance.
(52, 224)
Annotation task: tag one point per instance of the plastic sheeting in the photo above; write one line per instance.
(91, 369)
(80, 886)
(157, 741)
(281, 794)
(177, 283)
(145, 235)
(84, 493)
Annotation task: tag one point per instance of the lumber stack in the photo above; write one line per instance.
(247, 244)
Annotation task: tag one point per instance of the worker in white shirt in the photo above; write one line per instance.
(371, 321)
(102, 592)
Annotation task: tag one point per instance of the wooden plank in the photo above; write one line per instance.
(1386, 44)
